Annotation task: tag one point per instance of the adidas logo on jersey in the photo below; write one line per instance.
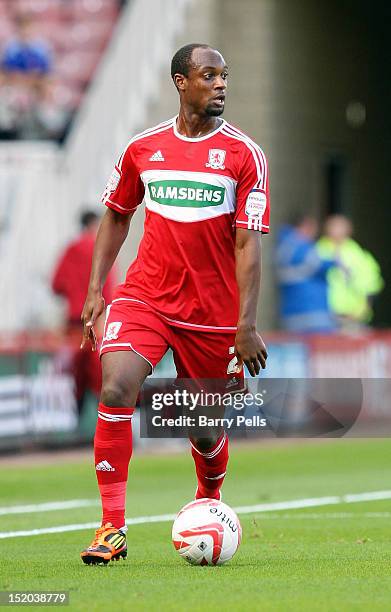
(158, 156)
(104, 466)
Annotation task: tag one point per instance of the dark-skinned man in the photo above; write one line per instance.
(195, 282)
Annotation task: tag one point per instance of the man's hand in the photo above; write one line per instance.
(93, 308)
(250, 349)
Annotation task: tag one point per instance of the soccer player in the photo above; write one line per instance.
(195, 282)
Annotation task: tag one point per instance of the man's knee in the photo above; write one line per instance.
(123, 373)
(114, 394)
(204, 444)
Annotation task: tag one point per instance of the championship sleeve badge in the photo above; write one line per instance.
(112, 184)
(255, 208)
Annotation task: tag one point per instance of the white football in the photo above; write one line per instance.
(206, 532)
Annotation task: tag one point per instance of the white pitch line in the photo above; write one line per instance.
(326, 515)
(289, 505)
(49, 506)
(139, 520)
(85, 503)
(372, 496)
(286, 505)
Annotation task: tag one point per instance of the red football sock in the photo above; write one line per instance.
(113, 450)
(211, 468)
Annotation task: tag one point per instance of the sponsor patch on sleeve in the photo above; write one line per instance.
(256, 204)
(112, 184)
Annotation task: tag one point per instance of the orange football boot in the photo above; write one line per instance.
(109, 544)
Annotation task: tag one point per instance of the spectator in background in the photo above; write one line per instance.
(72, 272)
(13, 103)
(351, 288)
(47, 117)
(70, 280)
(26, 108)
(26, 56)
(301, 274)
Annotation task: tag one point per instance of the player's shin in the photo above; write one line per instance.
(211, 466)
(113, 450)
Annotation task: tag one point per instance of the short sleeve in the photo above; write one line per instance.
(124, 190)
(252, 192)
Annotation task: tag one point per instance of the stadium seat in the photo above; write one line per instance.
(42, 9)
(54, 32)
(77, 66)
(6, 30)
(86, 35)
(95, 9)
(68, 95)
(3, 9)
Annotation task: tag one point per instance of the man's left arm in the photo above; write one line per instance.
(249, 346)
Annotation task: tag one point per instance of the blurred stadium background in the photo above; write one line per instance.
(309, 81)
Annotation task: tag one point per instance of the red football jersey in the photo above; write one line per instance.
(197, 191)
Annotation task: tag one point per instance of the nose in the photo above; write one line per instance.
(220, 83)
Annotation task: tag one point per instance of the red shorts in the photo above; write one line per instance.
(135, 326)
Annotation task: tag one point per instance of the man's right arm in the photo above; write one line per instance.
(111, 235)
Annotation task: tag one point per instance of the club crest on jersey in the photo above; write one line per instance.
(112, 331)
(216, 159)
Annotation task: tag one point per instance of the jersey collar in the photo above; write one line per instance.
(210, 135)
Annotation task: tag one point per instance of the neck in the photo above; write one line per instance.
(192, 125)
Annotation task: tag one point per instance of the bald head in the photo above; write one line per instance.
(182, 60)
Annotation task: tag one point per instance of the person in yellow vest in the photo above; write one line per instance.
(352, 285)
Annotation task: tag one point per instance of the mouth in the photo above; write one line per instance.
(219, 100)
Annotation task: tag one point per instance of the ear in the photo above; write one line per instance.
(180, 82)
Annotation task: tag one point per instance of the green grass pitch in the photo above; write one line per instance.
(331, 558)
